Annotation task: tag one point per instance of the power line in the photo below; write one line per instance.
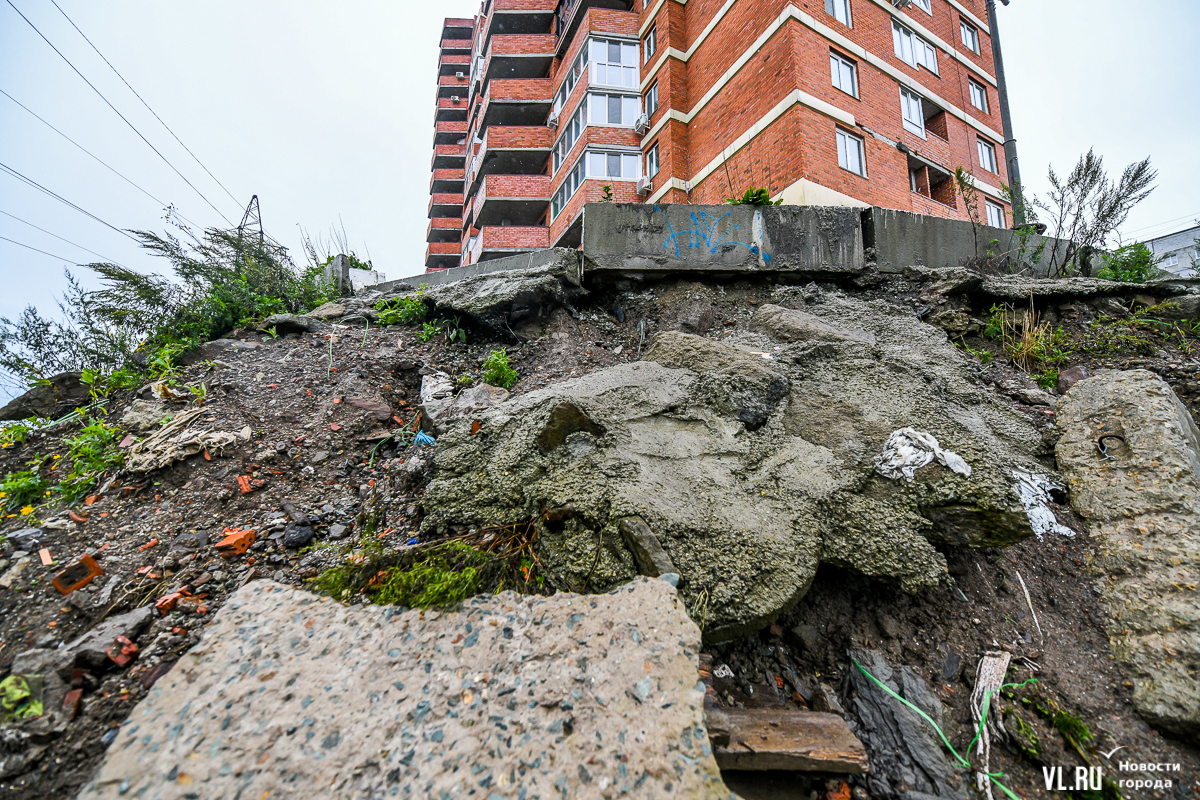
(147, 105)
(93, 155)
(61, 239)
(119, 114)
(62, 199)
(43, 252)
(1166, 222)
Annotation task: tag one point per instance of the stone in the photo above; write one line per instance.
(60, 394)
(26, 538)
(1143, 508)
(318, 457)
(944, 281)
(328, 311)
(789, 325)
(369, 699)
(651, 559)
(907, 760)
(297, 536)
(145, 416)
(337, 531)
(89, 649)
(216, 349)
(291, 323)
(442, 405)
(499, 300)
(750, 471)
(1185, 306)
(374, 406)
(1071, 376)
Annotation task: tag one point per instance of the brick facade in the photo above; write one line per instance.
(745, 99)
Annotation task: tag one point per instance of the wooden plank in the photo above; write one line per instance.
(803, 741)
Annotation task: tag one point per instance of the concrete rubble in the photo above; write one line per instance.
(291, 695)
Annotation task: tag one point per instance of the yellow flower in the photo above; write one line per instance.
(26, 511)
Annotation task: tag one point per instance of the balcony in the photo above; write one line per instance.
(515, 102)
(518, 16)
(456, 46)
(449, 132)
(511, 151)
(453, 64)
(519, 200)
(445, 204)
(444, 229)
(450, 85)
(449, 156)
(446, 181)
(498, 241)
(451, 110)
(570, 13)
(458, 28)
(440, 255)
(519, 56)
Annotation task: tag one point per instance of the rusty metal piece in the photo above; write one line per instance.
(78, 575)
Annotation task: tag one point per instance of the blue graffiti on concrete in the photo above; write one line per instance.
(704, 228)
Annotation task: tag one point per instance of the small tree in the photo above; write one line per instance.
(1087, 206)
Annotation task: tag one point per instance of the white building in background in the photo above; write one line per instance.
(1178, 252)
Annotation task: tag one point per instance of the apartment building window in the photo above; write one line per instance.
(970, 36)
(613, 109)
(912, 49)
(650, 43)
(839, 10)
(995, 214)
(1169, 260)
(850, 153)
(843, 73)
(652, 161)
(569, 186)
(924, 6)
(910, 110)
(978, 95)
(570, 134)
(572, 77)
(617, 166)
(652, 99)
(987, 156)
(614, 63)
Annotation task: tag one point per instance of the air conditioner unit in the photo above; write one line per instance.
(460, 75)
(552, 120)
(455, 98)
(642, 125)
(902, 3)
(644, 186)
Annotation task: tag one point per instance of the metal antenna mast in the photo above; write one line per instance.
(251, 219)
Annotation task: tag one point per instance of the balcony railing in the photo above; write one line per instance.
(569, 12)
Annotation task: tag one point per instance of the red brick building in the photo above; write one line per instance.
(545, 105)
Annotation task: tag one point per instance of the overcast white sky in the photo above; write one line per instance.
(325, 110)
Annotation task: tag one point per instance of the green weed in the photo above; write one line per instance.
(23, 489)
(497, 372)
(754, 196)
(409, 310)
(1132, 263)
(93, 452)
(428, 331)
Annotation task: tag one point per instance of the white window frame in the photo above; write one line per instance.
(912, 49)
(571, 129)
(651, 101)
(630, 73)
(1169, 260)
(569, 187)
(970, 36)
(840, 10)
(625, 159)
(912, 111)
(987, 155)
(650, 44)
(838, 67)
(979, 98)
(995, 214)
(924, 6)
(845, 142)
(652, 165)
(631, 108)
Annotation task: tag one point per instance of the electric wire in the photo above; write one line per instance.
(119, 114)
(147, 105)
(62, 199)
(94, 156)
(1163, 224)
(61, 239)
(43, 252)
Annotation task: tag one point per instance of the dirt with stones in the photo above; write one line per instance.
(319, 406)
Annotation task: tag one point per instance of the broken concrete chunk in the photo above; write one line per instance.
(1142, 503)
(565, 419)
(328, 691)
(777, 739)
(291, 323)
(89, 649)
(145, 416)
(789, 325)
(52, 399)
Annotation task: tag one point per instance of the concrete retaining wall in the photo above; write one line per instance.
(635, 237)
(538, 258)
(903, 239)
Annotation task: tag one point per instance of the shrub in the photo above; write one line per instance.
(1130, 264)
(497, 372)
(754, 197)
(409, 310)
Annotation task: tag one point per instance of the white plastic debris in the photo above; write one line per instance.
(907, 450)
(723, 671)
(1034, 493)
